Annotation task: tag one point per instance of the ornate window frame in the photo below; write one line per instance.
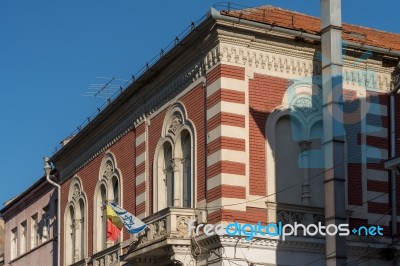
(109, 174)
(175, 125)
(76, 197)
(302, 103)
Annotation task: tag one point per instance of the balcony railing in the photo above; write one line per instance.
(170, 222)
(289, 214)
(167, 229)
(108, 257)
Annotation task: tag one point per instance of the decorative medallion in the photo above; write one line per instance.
(304, 105)
(108, 171)
(176, 122)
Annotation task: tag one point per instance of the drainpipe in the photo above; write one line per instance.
(47, 170)
(334, 136)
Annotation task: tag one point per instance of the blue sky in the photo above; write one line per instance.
(51, 51)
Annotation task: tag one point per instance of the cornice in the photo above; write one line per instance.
(296, 63)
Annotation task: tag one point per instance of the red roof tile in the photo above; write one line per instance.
(298, 21)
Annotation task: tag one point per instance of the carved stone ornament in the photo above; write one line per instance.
(176, 122)
(305, 145)
(304, 105)
(76, 193)
(182, 225)
(283, 217)
(108, 170)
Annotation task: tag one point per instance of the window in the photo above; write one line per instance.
(34, 231)
(173, 167)
(294, 153)
(14, 243)
(75, 224)
(108, 189)
(46, 223)
(187, 169)
(24, 242)
(103, 224)
(71, 236)
(82, 229)
(168, 177)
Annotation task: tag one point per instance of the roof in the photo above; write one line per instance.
(302, 22)
(11, 202)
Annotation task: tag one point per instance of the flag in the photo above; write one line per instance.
(131, 223)
(114, 224)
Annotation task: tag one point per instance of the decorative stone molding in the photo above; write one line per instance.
(271, 61)
(175, 124)
(276, 61)
(305, 145)
(166, 235)
(107, 257)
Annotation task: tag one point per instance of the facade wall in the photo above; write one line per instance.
(32, 204)
(231, 107)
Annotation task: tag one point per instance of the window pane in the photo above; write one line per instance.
(34, 231)
(14, 243)
(23, 247)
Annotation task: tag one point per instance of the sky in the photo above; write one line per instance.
(52, 51)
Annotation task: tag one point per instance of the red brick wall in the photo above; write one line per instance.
(251, 215)
(265, 94)
(89, 175)
(154, 132)
(352, 125)
(195, 107)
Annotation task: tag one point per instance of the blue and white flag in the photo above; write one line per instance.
(132, 223)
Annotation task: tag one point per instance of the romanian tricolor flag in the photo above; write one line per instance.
(118, 218)
(114, 224)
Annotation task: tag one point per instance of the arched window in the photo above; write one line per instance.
(295, 157)
(108, 189)
(168, 176)
(82, 228)
(187, 168)
(288, 172)
(173, 166)
(72, 236)
(75, 224)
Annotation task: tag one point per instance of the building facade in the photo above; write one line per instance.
(31, 226)
(227, 126)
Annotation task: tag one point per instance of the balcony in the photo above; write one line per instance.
(107, 257)
(165, 241)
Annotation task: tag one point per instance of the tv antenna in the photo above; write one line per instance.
(104, 90)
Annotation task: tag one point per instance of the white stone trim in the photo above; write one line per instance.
(140, 139)
(378, 219)
(226, 83)
(226, 155)
(380, 197)
(141, 158)
(141, 198)
(377, 175)
(226, 131)
(140, 178)
(226, 179)
(226, 203)
(376, 153)
(376, 131)
(377, 109)
(226, 107)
